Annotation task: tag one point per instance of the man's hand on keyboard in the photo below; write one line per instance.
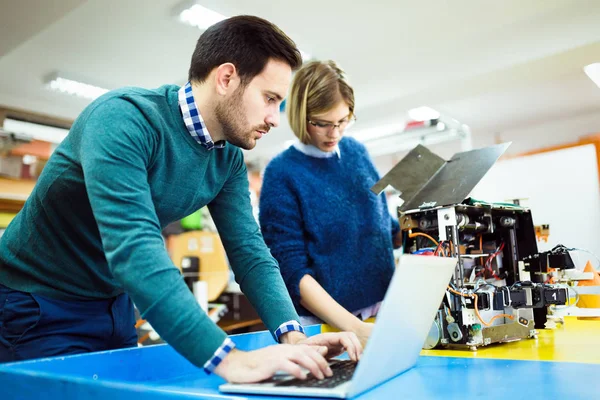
(255, 366)
(337, 343)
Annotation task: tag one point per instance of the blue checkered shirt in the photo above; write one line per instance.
(228, 345)
(193, 120)
(195, 125)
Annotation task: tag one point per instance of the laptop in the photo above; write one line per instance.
(403, 323)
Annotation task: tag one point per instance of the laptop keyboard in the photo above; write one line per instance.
(342, 372)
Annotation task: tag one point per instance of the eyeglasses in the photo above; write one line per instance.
(323, 128)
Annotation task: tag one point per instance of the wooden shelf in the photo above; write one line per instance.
(229, 326)
(14, 193)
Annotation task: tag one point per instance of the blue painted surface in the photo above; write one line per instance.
(158, 372)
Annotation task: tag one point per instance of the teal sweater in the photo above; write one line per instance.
(91, 228)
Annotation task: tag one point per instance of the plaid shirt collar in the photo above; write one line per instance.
(193, 120)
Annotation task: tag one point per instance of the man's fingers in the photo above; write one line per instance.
(302, 357)
(292, 368)
(321, 362)
(322, 350)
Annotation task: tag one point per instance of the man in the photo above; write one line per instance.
(89, 237)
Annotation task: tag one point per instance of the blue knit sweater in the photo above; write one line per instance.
(319, 218)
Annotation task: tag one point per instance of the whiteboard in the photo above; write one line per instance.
(561, 189)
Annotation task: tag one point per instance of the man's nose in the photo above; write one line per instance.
(273, 119)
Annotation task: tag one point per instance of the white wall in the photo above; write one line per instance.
(561, 189)
(544, 134)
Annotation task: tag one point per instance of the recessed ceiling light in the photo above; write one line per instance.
(593, 72)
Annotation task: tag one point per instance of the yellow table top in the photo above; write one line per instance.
(575, 341)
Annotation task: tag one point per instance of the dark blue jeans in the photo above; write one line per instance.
(33, 326)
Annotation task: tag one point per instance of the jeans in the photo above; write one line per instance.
(33, 326)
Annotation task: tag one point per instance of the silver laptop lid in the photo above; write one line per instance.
(403, 322)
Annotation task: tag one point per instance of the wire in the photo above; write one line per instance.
(424, 251)
(448, 248)
(585, 251)
(451, 248)
(505, 304)
(481, 284)
(447, 310)
(144, 338)
(488, 263)
(139, 323)
(437, 249)
(413, 235)
(474, 295)
(441, 249)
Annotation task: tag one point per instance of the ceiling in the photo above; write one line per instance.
(494, 65)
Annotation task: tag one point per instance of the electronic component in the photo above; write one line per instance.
(491, 242)
(557, 258)
(518, 298)
(455, 332)
(551, 295)
(491, 298)
(483, 301)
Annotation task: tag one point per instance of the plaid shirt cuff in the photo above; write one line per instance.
(219, 355)
(288, 327)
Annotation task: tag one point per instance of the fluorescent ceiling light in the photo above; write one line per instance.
(395, 137)
(400, 143)
(36, 131)
(202, 17)
(76, 88)
(376, 132)
(423, 114)
(305, 56)
(593, 72)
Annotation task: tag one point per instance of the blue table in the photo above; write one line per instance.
(158, 372)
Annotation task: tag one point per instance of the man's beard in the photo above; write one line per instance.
(230, 115)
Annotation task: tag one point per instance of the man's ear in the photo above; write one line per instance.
(227, 79)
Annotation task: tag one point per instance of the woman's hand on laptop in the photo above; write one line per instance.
(336, 343)
(363, 332)
(254, 366)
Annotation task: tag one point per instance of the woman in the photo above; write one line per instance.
(332, 236)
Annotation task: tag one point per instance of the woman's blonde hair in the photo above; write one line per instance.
(318, 86)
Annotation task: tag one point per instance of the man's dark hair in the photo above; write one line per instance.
(247, 42)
